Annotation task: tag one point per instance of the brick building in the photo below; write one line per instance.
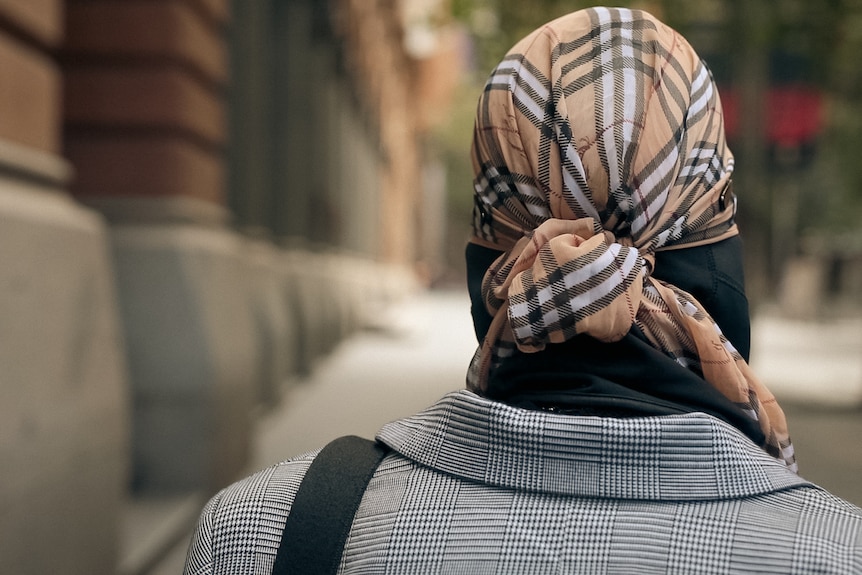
(197, 198)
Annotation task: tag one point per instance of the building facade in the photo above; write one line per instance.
(197, 199)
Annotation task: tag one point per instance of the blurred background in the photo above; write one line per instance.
(212, 211)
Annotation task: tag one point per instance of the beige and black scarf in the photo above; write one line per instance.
(599, 140)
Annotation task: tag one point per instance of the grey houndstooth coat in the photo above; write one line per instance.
(478, 487)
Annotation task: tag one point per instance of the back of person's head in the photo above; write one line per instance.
(603, 205)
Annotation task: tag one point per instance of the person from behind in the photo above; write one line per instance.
(610, 421)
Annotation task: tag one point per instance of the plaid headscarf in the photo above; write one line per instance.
(599, 140)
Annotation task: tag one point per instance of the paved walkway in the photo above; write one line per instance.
(815, 371)
(810, 362)
(421, 352)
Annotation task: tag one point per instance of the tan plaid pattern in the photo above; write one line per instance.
(599, 140)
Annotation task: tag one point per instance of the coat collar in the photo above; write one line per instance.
(675, 457)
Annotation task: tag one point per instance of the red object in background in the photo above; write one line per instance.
(793, 114)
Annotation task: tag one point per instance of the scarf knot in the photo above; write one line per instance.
(567, 277)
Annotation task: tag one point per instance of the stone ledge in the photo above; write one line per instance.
(191, 350)
(34, 165)
(63, 403)
(156, 211)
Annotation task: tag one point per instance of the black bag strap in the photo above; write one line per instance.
(322, 512)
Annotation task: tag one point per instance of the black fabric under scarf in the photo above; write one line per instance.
(628, 378)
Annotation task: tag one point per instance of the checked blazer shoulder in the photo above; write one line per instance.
(474, 486)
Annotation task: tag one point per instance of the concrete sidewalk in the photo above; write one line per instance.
(814, 368)
(420, 351)
(809, 362)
